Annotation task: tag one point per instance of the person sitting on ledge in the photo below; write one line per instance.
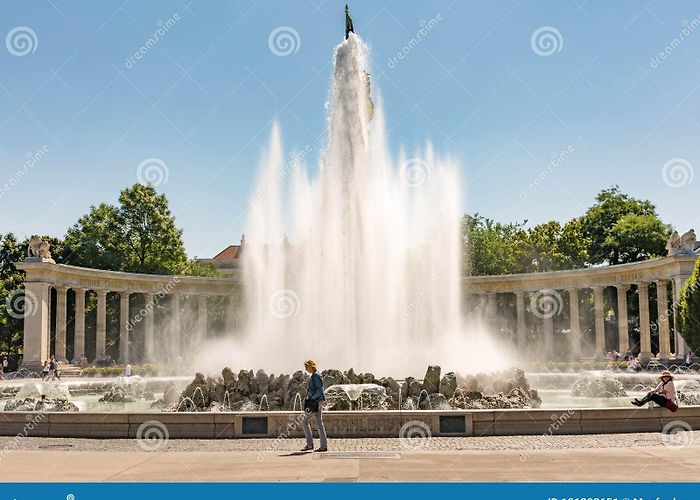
(664, 395)
(314, 402)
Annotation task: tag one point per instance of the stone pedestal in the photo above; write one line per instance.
(36, 325)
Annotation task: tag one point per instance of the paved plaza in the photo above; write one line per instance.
(618, 457)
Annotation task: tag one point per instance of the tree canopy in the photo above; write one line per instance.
(620, 229)
(138, 235)
(688, 311)
(616, 229)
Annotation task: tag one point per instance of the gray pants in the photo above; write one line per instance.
(319, 425)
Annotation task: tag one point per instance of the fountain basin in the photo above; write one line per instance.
(355, 424)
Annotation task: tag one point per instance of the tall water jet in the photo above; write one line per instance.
(371, 278)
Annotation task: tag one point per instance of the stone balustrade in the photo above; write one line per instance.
(530, 292)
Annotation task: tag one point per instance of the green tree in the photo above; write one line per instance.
(93, 240)
(11, 280)
(688, 311)
(138, 235)
(599, 226)
(553, 247)
(638, 237)
(491, 247)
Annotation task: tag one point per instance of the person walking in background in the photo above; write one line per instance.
(312, 405)
(664, 395)
(53, 368)
(45, 370)
(127, 370)
(689, 358)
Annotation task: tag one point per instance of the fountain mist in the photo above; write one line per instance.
(372, 279)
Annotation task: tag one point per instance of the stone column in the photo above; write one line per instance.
(599, 321)
(174, 340)
(681, 347)
(36, 324)
(149, 307)
(644, 328)
(663, 313)
(101, 330)
(48, 319)
(61, 302)
(231, 314)
(79, 337)
(124, 327)
(622, 323)
(548, 335)
(520, 319)
(202, 317)
(575, 320)
(491, 313)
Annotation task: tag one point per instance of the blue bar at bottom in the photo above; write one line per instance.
(354, 491)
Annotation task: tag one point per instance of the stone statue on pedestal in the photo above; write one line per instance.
(682, 245)
(39, 250)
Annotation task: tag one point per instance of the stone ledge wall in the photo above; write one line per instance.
(346, 424)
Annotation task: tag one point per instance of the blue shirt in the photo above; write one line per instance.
(315, 389)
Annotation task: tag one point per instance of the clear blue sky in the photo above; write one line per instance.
(202, 100)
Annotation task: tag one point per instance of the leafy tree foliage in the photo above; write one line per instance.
(688, 312)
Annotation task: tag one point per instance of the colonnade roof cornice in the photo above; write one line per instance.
(85, 278)
(660, 269)
(648, 271)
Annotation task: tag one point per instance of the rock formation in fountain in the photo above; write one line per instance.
(372, 277)
(41, 404)
(247, 391)
(598, 386)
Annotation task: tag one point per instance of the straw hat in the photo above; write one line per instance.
(310, 363)
(666, 373)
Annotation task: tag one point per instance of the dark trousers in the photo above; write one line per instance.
(659, 399)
